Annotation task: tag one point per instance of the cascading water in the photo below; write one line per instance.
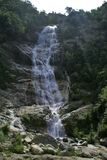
(46, 88)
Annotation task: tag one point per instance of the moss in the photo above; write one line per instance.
(33, 121)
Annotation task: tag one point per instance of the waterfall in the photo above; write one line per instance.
(46, 88)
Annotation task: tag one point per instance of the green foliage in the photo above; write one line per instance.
(103, 95)
(2, 136)
(20, 20)
(82, 37)
(4, 133)
(17, 146)
(5, 129)
(91, 138)
(102, 130)
(11, 24)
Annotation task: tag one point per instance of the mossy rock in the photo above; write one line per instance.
(75, 122)
(34, 117)
(45, 139)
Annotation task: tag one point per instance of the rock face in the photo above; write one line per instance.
(76, 119)
(34, 117)
(19, 88)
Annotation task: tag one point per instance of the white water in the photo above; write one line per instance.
(46, 88)
(15, 124)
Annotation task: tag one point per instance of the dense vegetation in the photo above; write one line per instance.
(19, 22)
(83, 39)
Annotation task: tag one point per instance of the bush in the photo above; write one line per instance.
(5, 129)
(91, 137)
(2, 136)
(3, 133)
(17, 146)
(102, 130)
(103, 95)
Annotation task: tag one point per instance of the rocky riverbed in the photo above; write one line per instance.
(33, 143)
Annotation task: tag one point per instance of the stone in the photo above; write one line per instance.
(45, 139)
(84, 143)
(61, 146)
(1, 157)
(34, 117)
(65, 139)
(103, 142)
(26, 149)
(76, 119)
(90, 151)
(36, 149)
(28, 140)
(49, 150)
(104, 156)
(72, 141)
(41, 145)
(23, 134)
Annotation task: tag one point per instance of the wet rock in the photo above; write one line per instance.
(72, 141)
(65, 139)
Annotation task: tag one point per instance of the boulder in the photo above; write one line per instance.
(28, 139)
(104, 156)
(75, 122)
(45, 139)
(65, 139)
(36, 149)
(34, 117)
(103, 142)
(49, 150)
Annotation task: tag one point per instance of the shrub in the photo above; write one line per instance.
(2, 136)
(17, 146)
(5, 129)
(103, 95)
(91, 137)
(102, 130)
